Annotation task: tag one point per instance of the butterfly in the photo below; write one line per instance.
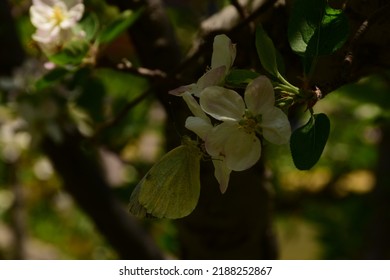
(171, 188)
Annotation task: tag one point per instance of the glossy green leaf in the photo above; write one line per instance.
(308, 141)
(315, 28)
(118, 26)
(331, 35)
(266, 51)
(240, 77)
(306, 17)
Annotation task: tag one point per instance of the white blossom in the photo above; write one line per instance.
(54, 20)
(232, 140)
(224, 53)
(236, 138)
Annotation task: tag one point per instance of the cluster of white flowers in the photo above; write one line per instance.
(54, 20)
(232, 139)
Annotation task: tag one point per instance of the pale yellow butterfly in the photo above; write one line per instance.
(171, 187)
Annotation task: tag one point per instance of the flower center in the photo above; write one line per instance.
(58, 15)
(248, 124)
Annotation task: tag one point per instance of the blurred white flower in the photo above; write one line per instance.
(236, 137)
(43, 169)
(54, 20)
(13, 141)
(224, 53)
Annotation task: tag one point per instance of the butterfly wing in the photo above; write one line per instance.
(171, 188)
(135, 207)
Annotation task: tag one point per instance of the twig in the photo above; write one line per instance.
(241, 11)
(255, 14)
(127, 66)
(374, 16)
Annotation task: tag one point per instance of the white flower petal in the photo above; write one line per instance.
(74, 15)
(42, 36)
(276, 127)
(199, 126)
(195, 107)
(224, 52)
(259, 95)
(242, 150)
(182, 89)
(217, 137)
(213, 77)
(221, 103)
(221, 173)
(40, 16)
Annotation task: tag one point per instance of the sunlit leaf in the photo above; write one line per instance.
(315, 28)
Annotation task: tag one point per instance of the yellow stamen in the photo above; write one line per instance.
(248, 124)
(58, 15)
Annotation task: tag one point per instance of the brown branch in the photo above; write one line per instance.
(241, 11)
(126, 66)
(361, 30)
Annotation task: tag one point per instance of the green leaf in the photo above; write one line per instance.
(266, 51)
(90, 25)
(72, 53)
(331, 35)
(118, 26)
(316, 29)
(240, 77)
(308, 141)
(51, 77)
